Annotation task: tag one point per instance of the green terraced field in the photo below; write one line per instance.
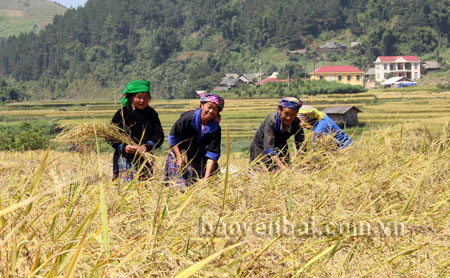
(242, 117)
(18, 16)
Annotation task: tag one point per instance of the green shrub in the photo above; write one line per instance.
(444, 87)
(10, 94)
(295, 88)
(31, 135)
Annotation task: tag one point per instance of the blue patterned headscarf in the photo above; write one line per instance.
(290, 102)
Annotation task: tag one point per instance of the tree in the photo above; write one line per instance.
(110, 41)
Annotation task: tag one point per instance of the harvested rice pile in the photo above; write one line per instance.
(377, 210)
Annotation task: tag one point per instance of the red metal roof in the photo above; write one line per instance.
(269, 80)
(393, 58)
(338, 69)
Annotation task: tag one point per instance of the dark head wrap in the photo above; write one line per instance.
(214, 98)
(135, 87)
(290, 102)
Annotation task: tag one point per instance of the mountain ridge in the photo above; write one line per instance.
(108, 42)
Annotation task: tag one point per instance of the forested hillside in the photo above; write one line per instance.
(186, 45)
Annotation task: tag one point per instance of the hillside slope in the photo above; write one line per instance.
(183, 46)
(17, 16)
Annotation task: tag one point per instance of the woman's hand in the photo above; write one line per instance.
(130, 149)
(133, 149)
(209, 168)
(142, 149)
(180, 162)
(278, 162)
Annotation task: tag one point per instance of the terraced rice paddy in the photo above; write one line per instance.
(243, 117)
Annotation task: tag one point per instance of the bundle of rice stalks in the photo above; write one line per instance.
(88, 133)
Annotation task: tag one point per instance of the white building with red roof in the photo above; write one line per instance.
(396, 66)
(341, 74)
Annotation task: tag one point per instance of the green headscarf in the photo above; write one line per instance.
(135, 87)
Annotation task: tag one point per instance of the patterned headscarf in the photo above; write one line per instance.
(308, 114)
(214, 98)
(135, 87)
(290, 102)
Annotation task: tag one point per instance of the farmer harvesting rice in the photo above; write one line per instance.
(322, 125)
(141, 122)
(270, 142)
(196, 133)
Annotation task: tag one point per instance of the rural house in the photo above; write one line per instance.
(230, 82)
(226, 84)
(342, 74)
(348, 115)
(369, 78)
(369, 72)
(333, 47)
(248, 78)
(396, 66)
(431, 66)
(354, 45)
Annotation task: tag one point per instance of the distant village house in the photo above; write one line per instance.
(397, 66)
(369, 78)
(230, 82)
(230, 76)
(342, 74)
(226, 84)
(355, 44)
(431, 66)
(233, 80)
(369, 72)
(333, 47)
(249, 78)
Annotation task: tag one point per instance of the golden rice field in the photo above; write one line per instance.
(379, 209)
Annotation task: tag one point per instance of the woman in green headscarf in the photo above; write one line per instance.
(141, 122)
